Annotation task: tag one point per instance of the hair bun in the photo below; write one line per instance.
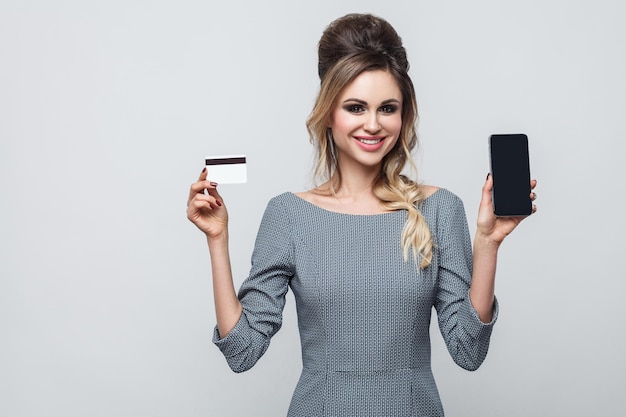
(356, 34)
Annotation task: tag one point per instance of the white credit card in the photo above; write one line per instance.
(227, 169)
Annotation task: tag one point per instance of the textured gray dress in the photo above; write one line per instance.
(363, 312)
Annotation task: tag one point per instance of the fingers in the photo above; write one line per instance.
(201, 202)
(533, 195)
(201, 209)
(202, 185)
(205, 207)
(486, 191)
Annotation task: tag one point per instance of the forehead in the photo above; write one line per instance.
(377, 85)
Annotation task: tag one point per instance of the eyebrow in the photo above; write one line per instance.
(359, 101)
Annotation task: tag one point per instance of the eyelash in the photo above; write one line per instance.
(389, 108)
(357, 108)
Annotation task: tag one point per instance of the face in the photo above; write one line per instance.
(367, 119)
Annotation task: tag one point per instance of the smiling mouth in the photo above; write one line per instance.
(370, 141)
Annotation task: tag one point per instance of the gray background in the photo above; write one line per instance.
(108, 108)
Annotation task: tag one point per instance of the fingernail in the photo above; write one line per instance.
(203, 170)
(218, 202)
(213, 184)
(488, 174)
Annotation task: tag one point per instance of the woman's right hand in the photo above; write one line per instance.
(207, 210)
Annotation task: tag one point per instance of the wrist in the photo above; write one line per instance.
(486, 242)
(217, 239)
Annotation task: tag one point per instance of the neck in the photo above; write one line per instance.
(357, 181)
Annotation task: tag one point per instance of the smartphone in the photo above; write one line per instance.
(510, 169)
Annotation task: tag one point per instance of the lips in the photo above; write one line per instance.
(371, 143)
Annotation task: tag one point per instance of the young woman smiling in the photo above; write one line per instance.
(368, 253)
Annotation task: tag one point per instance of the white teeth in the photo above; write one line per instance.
(370, 141)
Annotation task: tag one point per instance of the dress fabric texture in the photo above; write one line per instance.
(363, 311)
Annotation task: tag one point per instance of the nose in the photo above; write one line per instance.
(371, 123)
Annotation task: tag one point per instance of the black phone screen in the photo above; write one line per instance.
(510, 169)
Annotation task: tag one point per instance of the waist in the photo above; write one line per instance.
(399, 392)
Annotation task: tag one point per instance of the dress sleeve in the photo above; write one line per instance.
(466, 337)
(262, 294)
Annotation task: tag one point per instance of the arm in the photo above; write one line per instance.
(465, 301)
(466, 336)
(227, 306)
(262, 294)
(246, 321)
(209, 214)
(490, 233)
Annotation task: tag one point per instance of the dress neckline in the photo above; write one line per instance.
(307, 202)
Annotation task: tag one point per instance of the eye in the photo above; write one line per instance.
(354, 108)
(389, 108)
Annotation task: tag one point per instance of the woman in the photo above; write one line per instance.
(367, 253)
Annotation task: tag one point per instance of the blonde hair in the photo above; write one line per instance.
(349, 46)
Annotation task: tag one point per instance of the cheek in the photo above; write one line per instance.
(395, 124)
(341, 122)
(393, 128)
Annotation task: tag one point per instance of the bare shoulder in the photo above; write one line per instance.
(428, 190)
(311, 196)
(318, 198)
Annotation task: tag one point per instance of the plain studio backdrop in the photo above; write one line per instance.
(108, 109)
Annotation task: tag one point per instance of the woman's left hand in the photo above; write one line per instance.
(497, 228)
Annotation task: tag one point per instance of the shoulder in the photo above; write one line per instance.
(439, 195)
(279, 213)
(318, 198)
(442, 201)
(281, 202)
(287, 205)
(309, 196)
(428, 190)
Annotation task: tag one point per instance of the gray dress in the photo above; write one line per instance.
(363, 312)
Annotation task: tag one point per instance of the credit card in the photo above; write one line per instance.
(227, 169)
